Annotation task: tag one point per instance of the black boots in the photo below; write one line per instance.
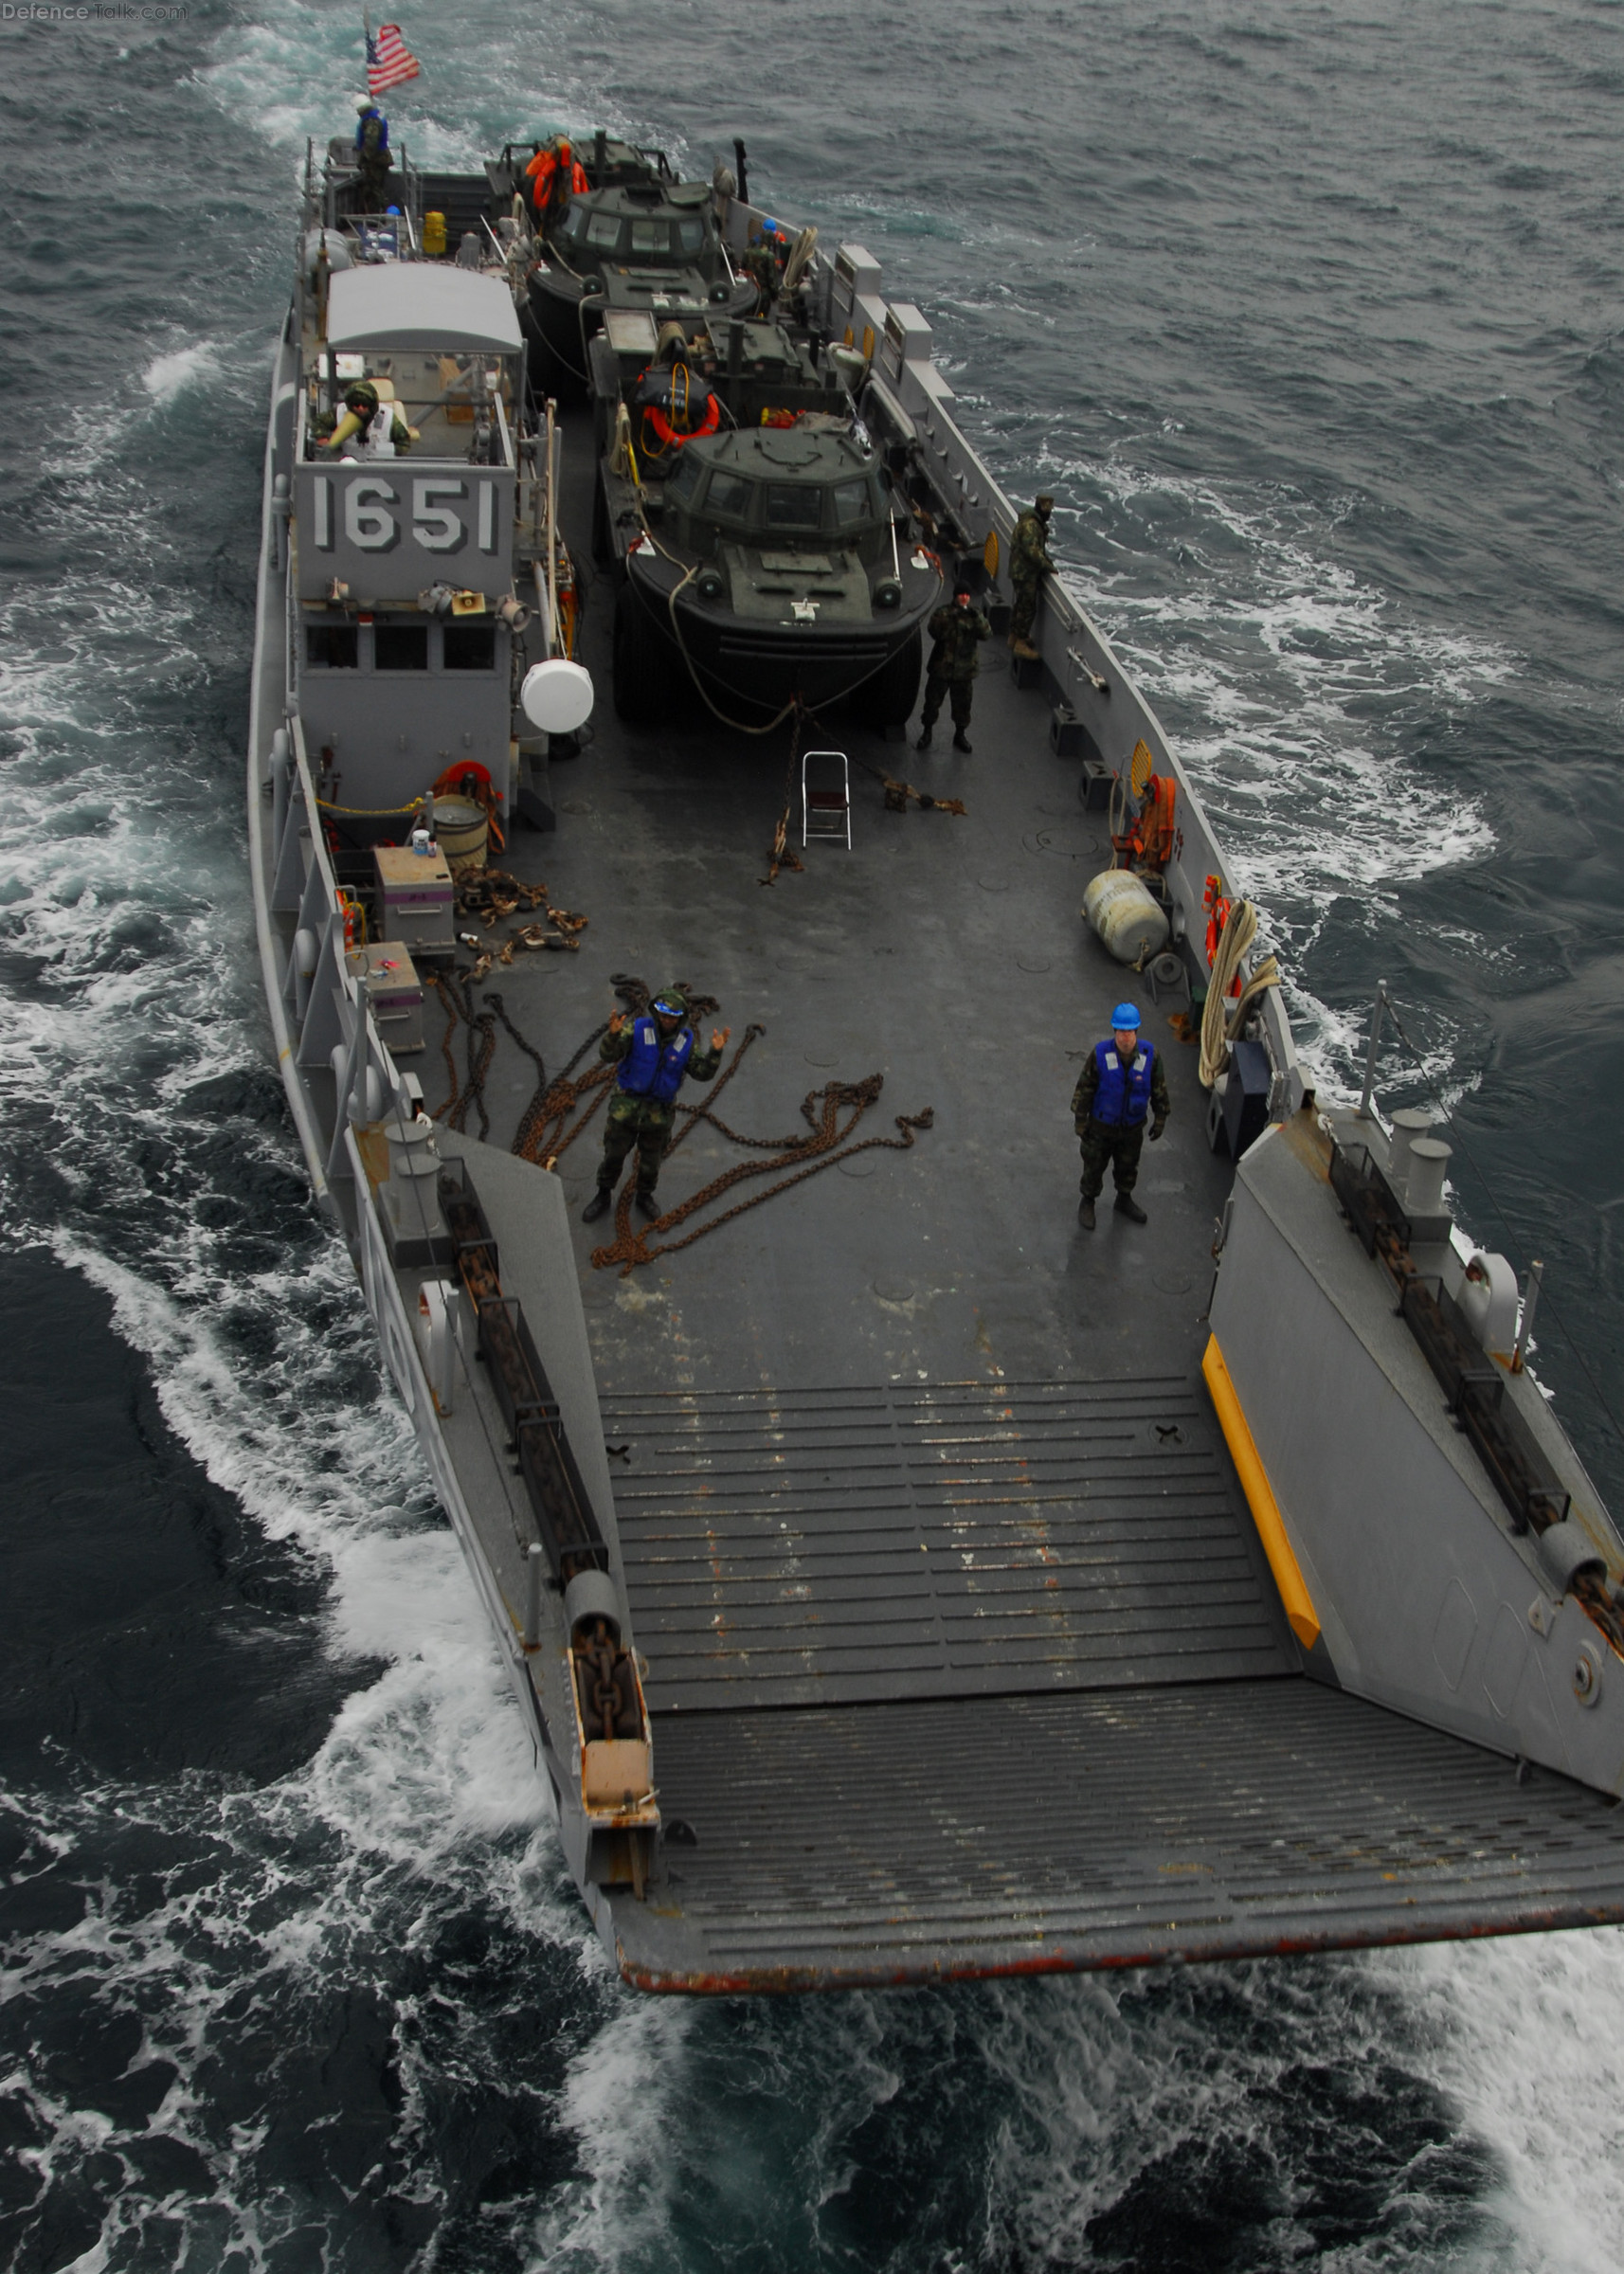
(1126, 1205)
(962, 741)
(924, 742)
(603, 1200)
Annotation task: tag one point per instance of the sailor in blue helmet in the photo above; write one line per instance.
(656, 1051)
(1123, 1085)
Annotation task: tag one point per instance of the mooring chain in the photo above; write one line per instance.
(707, 1112)
(807, 1156)
(781, 855)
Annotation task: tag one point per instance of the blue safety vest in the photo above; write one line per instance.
(653, 1069)
(1124, 1093)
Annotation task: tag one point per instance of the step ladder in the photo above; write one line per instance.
(826, 811)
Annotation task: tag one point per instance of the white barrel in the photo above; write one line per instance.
(1128, 921)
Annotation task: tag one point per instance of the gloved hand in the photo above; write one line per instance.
(1156, 1129)
(1080, 1125)
(719, 1036)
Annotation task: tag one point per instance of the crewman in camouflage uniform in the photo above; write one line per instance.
(1122, 1083)
(1028, 562)
(958, 630)
(656, 1051)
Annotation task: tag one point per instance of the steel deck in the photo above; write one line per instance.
(960, 1660)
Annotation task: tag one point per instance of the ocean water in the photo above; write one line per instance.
(1310, 317)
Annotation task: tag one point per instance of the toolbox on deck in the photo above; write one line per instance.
(414, 899)
(395, 993)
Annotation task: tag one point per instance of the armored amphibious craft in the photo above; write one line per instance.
(897, 1580)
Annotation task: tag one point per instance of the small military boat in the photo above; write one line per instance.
(898, 1580)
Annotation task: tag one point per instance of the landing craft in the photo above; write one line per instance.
(898, 1581)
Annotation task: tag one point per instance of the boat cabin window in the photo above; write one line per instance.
(793, 505)
(685, 476)
(604, 230)
(333, 646)
(570, 227)
(853, 502)
(729, 496)
(400, 647)
(469, 647)
(651, 237)
(689, 234)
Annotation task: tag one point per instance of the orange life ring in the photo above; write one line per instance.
(666, 433)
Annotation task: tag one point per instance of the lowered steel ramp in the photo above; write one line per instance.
(891, 1843)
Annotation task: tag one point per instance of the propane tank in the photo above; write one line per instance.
(1119, 907)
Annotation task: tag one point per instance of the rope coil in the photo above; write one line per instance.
(1219, 1032)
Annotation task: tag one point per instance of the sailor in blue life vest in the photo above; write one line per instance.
(1123, 1084)
(656, 1051)
(373, 156)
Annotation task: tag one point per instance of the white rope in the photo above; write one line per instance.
(1220, 1023)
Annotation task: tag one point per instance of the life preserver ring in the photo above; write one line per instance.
(1217, 916)
(666, 433)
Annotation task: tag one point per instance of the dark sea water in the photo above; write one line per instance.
(1311, 319)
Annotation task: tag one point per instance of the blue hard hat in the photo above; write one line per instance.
(1125, 1015)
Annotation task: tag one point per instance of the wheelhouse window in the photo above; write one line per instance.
(400, 647)
(793, 505)
(729, 496)
(469, 647)
(690, 235)
(333, 646)
(604, 231)
(651, 237)
(853, 502)
(685, 476)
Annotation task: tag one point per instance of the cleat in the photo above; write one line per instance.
(961, 742)
(1126, 1205)
(647, 1204)
(1086, 1215)
(598, 1205)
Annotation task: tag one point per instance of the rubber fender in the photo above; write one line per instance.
(1129, 922)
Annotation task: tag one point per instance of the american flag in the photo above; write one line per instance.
(390, 61)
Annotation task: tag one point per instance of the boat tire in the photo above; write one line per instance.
(641, 669)
(888, 698)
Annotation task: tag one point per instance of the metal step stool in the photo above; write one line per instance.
(826, 811)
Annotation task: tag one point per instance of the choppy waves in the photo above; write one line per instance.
(355, 2015)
